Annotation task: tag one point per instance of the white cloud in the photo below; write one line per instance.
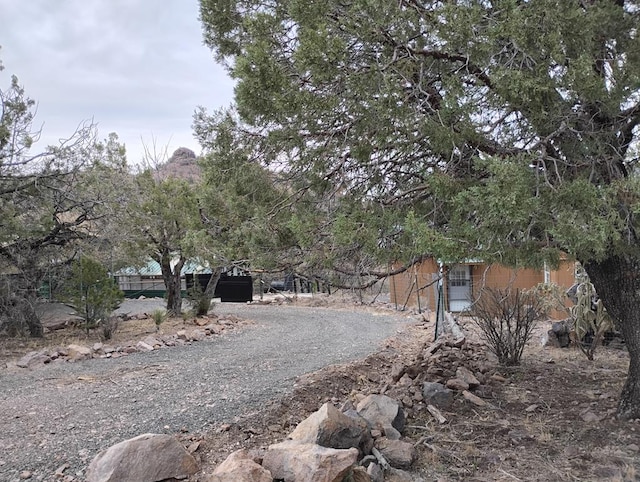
(137, 67)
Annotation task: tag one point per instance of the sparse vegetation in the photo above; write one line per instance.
(507, 319)
(159, 317)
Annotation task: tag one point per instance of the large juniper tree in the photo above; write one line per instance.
(52, 202)
(503, 129)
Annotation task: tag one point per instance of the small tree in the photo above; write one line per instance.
(91, 291)
(506, 319)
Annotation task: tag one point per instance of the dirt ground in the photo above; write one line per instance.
(553, 419)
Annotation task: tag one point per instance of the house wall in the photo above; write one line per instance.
(405, 295)
(414, 287)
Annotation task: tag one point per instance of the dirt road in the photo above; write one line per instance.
(64, 414)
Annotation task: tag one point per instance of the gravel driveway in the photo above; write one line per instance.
(66, 413)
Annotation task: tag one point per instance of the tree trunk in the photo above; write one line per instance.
(617, 283)
(28, 310)
(173, 284)
(209, 292)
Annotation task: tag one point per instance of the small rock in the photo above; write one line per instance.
(142, 346)
(26, 474)
(375, 472)
(359, 474)
(293, 462)
(437, 395)
(399, 454)
(571, 451)
(78, 352)
(33, 359)
(457, 384)
(498, 378)
(531, 408)
(380, 411)
(590, 417)
(329, 427)
(397, 475)
(97, 347)
(467, 377)
(470, 397)
(240, 467)
(197, 335)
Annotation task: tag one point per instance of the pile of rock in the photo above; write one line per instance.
(447, 367)
(75, 352)
(359, 444)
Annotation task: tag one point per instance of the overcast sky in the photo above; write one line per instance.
(136, 67)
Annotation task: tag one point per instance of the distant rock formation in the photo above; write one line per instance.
(182, 165)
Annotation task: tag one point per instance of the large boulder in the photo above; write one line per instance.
(382, 412)
(240, 467)
(331, 428)
(145, 458)
(292, 461)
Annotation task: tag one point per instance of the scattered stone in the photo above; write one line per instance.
(457, 384)
(240, 467)
(193, 447)
(182, 335)
(405, 380)
(470, 397)
(519, 436)
(153, 341)
(359, 474)
(434, 347)
(294, 462)
(436, 414)
(590, 417)
(498, 378)
(437, 394)
(571, 451)
(33, 359)
(391, 433)
(142, 346)
(467, 377)
(197, 335)
(380, 411)
(60, 470)
(399, 454)
(146, 458)
(375, 472)
(397, 475)
(78, 352)
(26, 474)
(331, 428)
(397, 370)
(98, 347)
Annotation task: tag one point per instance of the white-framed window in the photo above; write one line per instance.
(547, 274)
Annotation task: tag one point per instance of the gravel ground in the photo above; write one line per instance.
(66, 413)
